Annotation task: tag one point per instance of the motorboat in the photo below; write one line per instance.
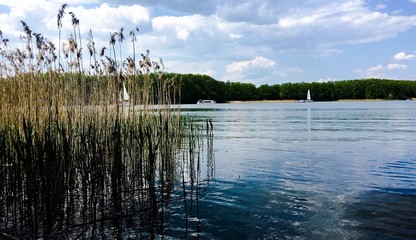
(206, 101)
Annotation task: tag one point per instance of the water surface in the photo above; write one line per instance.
(322, 170)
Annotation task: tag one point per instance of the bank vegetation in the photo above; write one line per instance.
(194, 87)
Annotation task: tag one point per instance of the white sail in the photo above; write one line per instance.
(308, 96)
(125, 94)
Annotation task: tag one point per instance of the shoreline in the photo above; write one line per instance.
(294, 101)
(262, 101)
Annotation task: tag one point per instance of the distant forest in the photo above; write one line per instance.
(195, 87)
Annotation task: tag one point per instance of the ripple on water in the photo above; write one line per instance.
(388, 214)
(401, 172)
(255, 208)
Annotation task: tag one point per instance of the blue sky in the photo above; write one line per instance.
(256, 41)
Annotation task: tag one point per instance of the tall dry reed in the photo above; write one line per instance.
(76, 161)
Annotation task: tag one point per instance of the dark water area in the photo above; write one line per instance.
(322, 170)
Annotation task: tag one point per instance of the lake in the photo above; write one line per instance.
(322, 170)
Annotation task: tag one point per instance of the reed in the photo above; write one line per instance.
(73, 162)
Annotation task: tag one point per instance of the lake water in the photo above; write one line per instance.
(322, 170)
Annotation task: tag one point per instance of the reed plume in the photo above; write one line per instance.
(61, 13)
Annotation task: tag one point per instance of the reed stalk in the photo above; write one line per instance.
(73, 162)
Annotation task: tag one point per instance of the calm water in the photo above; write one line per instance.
(322, 170)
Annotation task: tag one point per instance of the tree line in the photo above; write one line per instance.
(195, 87)
(192, 87)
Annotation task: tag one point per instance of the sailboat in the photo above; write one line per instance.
(125, 94)
(308, 96)
(124, 99)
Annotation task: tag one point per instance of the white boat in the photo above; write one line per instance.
(308, 96)
(206, 101)
(124, 99)
(125, 94)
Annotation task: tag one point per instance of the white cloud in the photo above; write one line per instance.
(190, 23)
(375, 68)
(404, 56)
(185, 7)
(182, 34)
(380, 71)
(377, 71)
(259, 70)
(380, 75)
(41, 17)
(394, 66)
(233, 36)
(291, 22)
(342, 23)
(197, 67)
(328, 79)
(23, 11)
(258, 62)
(391, 66)
(106, 18)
